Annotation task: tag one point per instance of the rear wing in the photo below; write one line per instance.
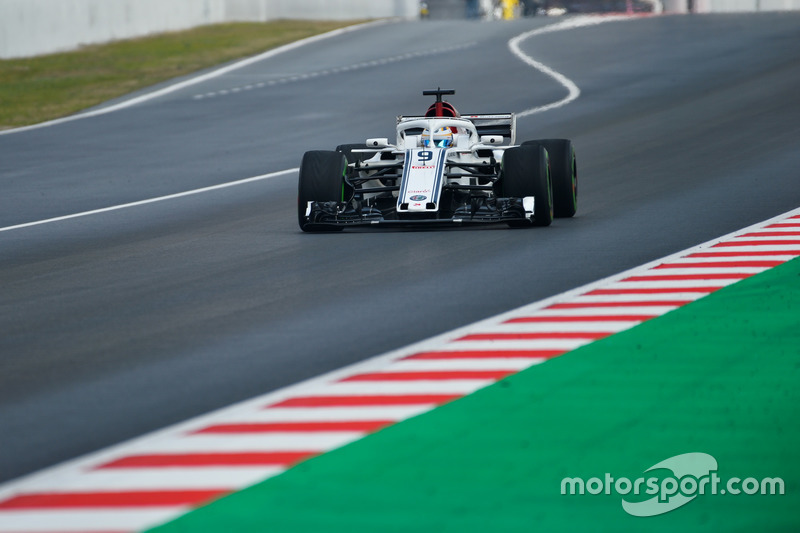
(504, 124)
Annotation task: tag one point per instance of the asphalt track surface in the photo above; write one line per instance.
(122, 322)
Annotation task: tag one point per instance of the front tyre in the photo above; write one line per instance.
(321, 180)
(526, 172)
(564, 172)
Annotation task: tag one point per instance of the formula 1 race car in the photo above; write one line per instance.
(444, 168)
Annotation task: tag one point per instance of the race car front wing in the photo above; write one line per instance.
(480, 210)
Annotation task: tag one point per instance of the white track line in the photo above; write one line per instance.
(272, 442)
(153, 200)
(86, 521)
(174, 478)
(320, 414)
(498, 363)
(572, 90)
(195, 80)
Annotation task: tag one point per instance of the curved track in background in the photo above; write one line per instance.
(125, 321)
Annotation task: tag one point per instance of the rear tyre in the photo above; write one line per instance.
(526, 172)
(321, 180)
(564, 172)
(353, 157)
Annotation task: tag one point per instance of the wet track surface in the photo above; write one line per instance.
(122, 322)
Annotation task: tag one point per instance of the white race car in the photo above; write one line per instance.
(444, 168)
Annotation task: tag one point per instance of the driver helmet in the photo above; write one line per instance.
(442, 138)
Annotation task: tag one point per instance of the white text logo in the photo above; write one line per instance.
(693, 474)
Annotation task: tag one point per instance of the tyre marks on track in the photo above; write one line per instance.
(158, 477)
(332, 71)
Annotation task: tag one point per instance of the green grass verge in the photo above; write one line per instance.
(37, 89)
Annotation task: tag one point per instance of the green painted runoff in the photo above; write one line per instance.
(718, 376)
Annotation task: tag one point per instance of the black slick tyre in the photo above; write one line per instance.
(353, 157)
(526, 172)
(321, 180)
(564, 173)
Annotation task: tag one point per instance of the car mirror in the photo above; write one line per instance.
(377, 143)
